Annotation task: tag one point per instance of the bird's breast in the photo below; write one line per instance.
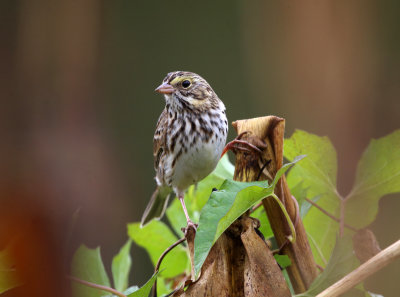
(195, 148)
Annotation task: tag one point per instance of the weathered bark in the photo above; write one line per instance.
(270, 131)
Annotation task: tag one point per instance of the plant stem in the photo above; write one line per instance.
(157, 268)
(96, 286)
(329, 215)
(166, 252)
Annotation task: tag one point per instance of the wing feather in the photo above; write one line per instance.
(159, 143)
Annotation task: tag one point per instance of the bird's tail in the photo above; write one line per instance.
(157, 205)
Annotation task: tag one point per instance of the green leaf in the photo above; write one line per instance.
(217, 206)
(87, 265)
(176, 216)
(130, 290)
(164, 286)
(156, 237)
(145, 290)
(121, 265)
(8, 273)
(305, 206)
(378, 174)
(197, 196)
(300, 193)
(320, 165)
(317, 173)
(283, 260)
(341, 263)
(224, 207)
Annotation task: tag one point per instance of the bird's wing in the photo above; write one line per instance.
(159, 200)
(159, 142)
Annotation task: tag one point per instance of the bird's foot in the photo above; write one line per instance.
(242, 145)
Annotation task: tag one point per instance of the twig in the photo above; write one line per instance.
(157, 268)
(96, 286)
(255, 207)
(330, 215)
(374, 264)
(167, 251)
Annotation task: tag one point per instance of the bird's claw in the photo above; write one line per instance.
(238, 144)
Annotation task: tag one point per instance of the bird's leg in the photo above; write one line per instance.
(181, 199)
(190, 224)
(238, 144)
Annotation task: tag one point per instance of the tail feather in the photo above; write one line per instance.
(157, 205)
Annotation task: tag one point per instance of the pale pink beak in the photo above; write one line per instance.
(165, 89)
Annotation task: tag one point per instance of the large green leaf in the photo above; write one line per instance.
(87, 265)
(224, 207)
(156, 237)
(216, 208)
(121, 265)
(378, 174)
(197, 196)
(342, 262)
(317, 174)
(320, 166)
(8, 273)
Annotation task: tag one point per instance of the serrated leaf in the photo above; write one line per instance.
(121, 265)
(8, 272)
(224, 207)
(156, 237)
(317, 173)
(342, 262)
(144, 291)
(197, 196)
(87, 265)
(378, 174)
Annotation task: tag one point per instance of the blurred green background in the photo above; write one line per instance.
(78, 107)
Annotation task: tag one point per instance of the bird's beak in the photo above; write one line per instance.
(165, 89)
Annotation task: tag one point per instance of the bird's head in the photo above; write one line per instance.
(187, 89)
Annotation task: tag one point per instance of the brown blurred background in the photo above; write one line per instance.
(78, 110)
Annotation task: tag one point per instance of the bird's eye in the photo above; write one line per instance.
(186, 84)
